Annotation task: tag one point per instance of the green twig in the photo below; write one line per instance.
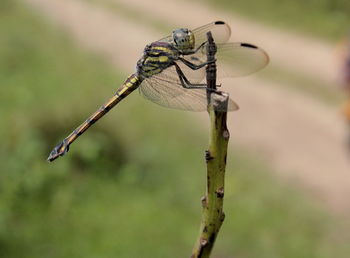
(212, 202)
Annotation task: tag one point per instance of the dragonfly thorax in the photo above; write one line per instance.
(157, 57)
(183, 39)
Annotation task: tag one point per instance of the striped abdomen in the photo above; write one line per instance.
(131, 83)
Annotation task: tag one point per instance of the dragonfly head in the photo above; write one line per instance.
(183, 39)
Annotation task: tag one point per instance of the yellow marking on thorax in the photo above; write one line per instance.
(151, 59)
(147, 68)
(152, 72)
(161, 59)
(164, 49)
(160, 48)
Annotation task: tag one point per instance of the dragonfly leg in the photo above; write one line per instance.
(186, 83)
(194, 66)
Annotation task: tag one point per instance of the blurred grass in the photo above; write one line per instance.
(324, 18)
(131, 186)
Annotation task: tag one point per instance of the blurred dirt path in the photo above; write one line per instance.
(301, 138)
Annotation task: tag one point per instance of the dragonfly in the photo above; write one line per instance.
(171, 70)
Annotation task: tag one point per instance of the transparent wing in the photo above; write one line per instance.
(234, 59)
(240, 59)
(220, 30)
(166, 90)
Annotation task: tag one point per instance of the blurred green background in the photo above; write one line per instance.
(132, 185)
(325, 18)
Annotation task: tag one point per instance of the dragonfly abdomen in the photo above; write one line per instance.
(131, 83)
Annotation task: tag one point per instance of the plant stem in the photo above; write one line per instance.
(212, 202)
